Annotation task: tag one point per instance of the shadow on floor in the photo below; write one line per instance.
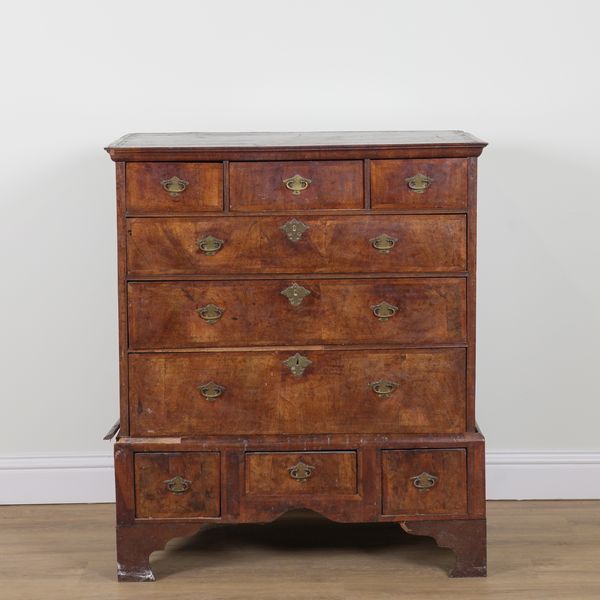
(301, 535)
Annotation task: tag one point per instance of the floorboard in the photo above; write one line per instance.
(547, 550)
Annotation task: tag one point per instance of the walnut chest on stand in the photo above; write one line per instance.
(297, 331)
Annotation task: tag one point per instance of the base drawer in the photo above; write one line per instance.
(424, 482)
(177, 484)
(291, 474)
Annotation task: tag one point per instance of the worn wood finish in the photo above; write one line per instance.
(424, 244)
(467, 539)
(332, 395)
(471, 292)
(145, 194)
(164, 315)
(260, 185)
(136, 544)
(154, 499)
(122, 297)
(447, 189)
(321, 145)
(211, 418)
(330, 473)
(448, 494)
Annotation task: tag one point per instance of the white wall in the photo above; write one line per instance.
(522, 75)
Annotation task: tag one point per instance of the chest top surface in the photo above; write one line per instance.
(133, 146)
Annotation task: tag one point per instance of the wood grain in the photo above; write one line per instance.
(145, 193)
(260, 185)
(447, 496)
(154, 499)
(164, 315)
(333, 395)
(448, 187)
(267, 473)
(425, 243)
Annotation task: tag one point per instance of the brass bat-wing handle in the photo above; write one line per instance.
(210, 245)
(418, 183)
(297, 184)
(174, 185)
(211, 313)
(211, 390)
(178, 485)
(424, 481)
(301, 471)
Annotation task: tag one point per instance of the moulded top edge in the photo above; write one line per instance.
(290, 141)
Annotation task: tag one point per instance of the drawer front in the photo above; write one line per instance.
(419, 184)
(157, 187)
(246, 393)
(177, 485)
(293, 474)
(300, 185)
(304, 244)
(424, 482)
(170, 315)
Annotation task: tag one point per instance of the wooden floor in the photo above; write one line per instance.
(546, 550)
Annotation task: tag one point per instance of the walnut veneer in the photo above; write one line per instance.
(297, 330)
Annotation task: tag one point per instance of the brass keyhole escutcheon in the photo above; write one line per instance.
(384, 310)
(418, 183)
(384, 243)
(297, 364)
(425, 481)
(174, 186)
(211, 390)
(297, 184)
(295, 294)
(210, 313)
(383, 388)
(178, 485)
(210, 245)
(294, 229)
(301, 471)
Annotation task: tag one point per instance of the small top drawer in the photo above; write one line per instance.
(419, 184)
(172, 187)
(300, 185)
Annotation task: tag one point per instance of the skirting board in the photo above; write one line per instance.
(511, 475)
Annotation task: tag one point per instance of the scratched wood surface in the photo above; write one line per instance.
(548, 550)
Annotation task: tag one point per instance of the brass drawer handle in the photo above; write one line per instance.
(211, 390)
(384, 311)
(295, 294)
(210, 245)
(297, 184)
(383, 388)
(294, 229)
(425, 481)
(384, 243)
(301, 471)
(174, 185)
(297, 364)
(418, 183)
(178, 485)
(211, 313)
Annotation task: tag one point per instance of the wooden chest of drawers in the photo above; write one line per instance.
(297, 330)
